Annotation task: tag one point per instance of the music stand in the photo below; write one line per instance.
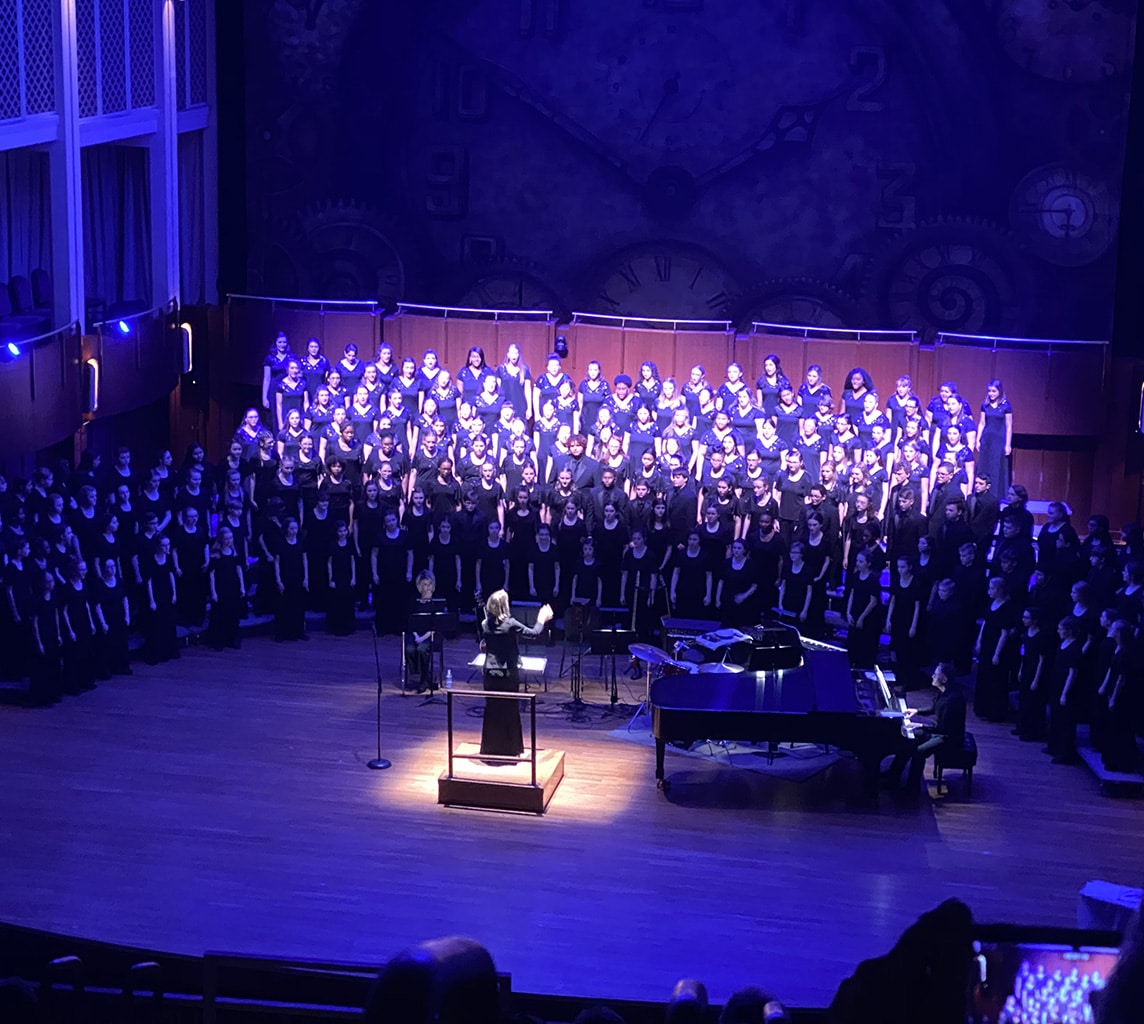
(610, 642)
(439, 621)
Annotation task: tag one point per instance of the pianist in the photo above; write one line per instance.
(948, 713)
(500, 730)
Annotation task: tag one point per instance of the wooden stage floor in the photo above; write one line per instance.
(222, 802)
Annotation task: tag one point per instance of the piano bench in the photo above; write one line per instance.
(965, 759)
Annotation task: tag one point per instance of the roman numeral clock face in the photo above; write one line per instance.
(663, 280)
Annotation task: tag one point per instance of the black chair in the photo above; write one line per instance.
(947, 756)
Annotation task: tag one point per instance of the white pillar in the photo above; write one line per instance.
(66, 183)
(164, 164)
(210, 169)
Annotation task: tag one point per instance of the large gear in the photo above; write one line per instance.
(1067, 216)
(954, 274)
(278, 259)
(358, 253)
(798, 302)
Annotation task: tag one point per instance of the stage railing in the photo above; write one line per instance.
(831, 333)
(464, 313)
(652, 323)
(530, 758)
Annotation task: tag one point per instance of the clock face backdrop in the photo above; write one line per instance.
(883, 164)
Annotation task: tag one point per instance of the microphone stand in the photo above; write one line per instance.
(379, 761)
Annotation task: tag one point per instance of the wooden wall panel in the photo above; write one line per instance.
(462, 335)
(42, 390)
(250, 333)
(338, 329)
(964, 366)
(1024, 374)
(139, 369)
(642, 343)
(886, 361)
(1074, 391)
(591, 341)
(712, 350)
(419, 333)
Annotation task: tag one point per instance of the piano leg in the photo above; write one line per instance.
(659, 750)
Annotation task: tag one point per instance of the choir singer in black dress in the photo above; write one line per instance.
(500, 632)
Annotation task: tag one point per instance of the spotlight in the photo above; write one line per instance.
(12, 349)
(123, 327)
(561, 346)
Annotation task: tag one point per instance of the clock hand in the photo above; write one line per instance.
(792, 125)
(670, 88)
(515, 88)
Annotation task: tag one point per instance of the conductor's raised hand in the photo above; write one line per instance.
(545, 614)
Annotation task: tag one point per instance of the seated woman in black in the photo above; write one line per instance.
(500, 729)
(419, 640)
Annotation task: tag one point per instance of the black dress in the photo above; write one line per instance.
(492, 571)
(991, 695)
(226, 612)
(862, 640)
(521, 530)
(610, 545)
(1063, 719)
(736, 581)
(445, 571)
(111, 655)
(46, 678)
(340, 619)
(391, 591)
(905, 649)
(500, 730)
(796, 585)
(290, 610)
(79, 653)
(691, 588)
(1031, 703)
(161, 643)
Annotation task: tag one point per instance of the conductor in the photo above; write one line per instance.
(501, 733)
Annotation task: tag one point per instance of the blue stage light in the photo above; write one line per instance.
(13, 349)
(124, 327)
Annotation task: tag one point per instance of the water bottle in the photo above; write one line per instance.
(449, 679)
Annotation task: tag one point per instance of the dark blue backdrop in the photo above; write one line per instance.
(932, 166)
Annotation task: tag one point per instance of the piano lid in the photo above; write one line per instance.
(822, 683)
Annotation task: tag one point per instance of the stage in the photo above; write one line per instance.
(222, 802)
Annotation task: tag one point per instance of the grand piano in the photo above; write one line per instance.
(821, 700)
